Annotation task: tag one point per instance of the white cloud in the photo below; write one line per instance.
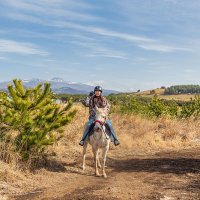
(140, 41)
(59, 13)
(162, 48)
(98, 50)
(107, 56)
(102, 31)
(10, 46)
(52, 9)
(97, 82)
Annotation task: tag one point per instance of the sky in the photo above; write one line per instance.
(124, 45)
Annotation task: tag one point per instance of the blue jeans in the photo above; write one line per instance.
(108, 123)
(88, 125)
(113, 134)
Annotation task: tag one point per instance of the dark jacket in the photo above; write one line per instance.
(100, 102)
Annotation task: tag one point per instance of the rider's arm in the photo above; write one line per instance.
(106, 104)
(108, 107)
(86, 102)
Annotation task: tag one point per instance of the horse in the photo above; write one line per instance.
(98, 140)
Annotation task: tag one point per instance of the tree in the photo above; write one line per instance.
(34, 115)
(156, 107)
(152, 92)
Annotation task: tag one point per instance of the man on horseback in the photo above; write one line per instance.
(100, 101)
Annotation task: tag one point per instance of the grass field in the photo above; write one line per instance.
(161, 95)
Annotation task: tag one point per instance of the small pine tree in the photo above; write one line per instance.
(34, 114)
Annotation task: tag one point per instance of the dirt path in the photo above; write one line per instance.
(162, 176)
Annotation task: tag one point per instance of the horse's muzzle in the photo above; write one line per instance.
(96, 128)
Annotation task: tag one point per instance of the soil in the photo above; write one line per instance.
(131, 175)
(152, 162)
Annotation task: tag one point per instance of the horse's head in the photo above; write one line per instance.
(100, 117)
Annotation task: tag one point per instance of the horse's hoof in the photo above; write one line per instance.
(98, 175)
(104, 175)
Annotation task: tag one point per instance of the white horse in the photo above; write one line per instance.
(99, 139)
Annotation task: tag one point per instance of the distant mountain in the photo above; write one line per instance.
(59, 86)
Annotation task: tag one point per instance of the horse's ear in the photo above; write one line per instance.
(105, 110)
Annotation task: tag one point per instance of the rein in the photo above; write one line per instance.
(100, 122)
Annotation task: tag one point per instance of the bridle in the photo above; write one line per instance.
(102, 124)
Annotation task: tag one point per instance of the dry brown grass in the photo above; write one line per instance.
(177, 97)
(160, 93)
(14, 181)
(161, 134)
(136, 134)
(157, 91)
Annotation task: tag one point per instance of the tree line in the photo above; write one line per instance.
(183, 89)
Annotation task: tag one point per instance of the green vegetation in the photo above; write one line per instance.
(183, 89)
(30, 119)
(154, 107)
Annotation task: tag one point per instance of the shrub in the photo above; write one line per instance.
(34, 115)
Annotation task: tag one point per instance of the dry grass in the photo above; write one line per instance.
(157, 91)
(160, 93)
(177, 97)
(161, 134)
(136, 134)
(14, 181)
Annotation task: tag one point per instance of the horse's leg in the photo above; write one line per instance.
(98, 162)
(84, 154)
(104, 153)
(95, 152)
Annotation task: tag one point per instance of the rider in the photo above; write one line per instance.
(100, 101)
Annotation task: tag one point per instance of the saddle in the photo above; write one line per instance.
(107, 130)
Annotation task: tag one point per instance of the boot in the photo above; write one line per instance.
(113, 134)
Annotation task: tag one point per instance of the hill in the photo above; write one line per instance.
(162, 95)
(59, 86)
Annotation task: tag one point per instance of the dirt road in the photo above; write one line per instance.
(141, 168)
(131, 175)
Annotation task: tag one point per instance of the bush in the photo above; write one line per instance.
(146, 106)
(34, 115)
(156, 107)
(192, 109)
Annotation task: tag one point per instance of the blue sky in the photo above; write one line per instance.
(124, 45)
